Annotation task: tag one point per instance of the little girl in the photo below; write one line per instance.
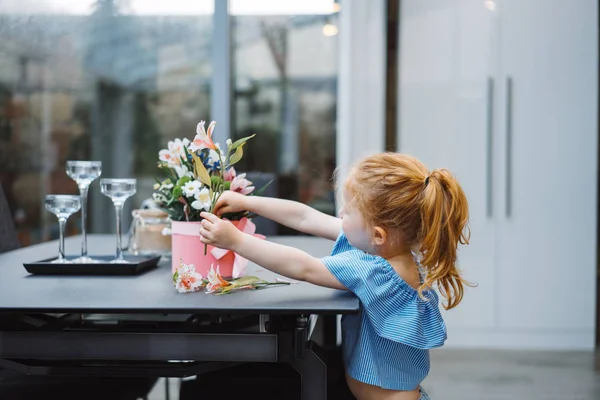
(394, 210)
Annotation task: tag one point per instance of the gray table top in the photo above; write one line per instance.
(153, 291)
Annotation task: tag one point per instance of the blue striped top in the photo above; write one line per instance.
(386, 344)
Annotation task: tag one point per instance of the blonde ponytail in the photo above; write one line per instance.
(444, 218)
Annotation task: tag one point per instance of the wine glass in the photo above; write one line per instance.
(118, 190)
(84, 173)
(62, 206)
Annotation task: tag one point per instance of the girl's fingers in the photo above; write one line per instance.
(221, 209)
(205, 234)
(210, 217)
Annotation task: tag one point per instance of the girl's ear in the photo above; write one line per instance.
(379, 236)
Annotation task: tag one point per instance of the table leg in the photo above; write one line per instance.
(313, 372)
(329, 331)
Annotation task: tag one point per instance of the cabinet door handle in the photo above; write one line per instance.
(490, 146)
(509, 132)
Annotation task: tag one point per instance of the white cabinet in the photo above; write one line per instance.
(548, 234)
(504, 94)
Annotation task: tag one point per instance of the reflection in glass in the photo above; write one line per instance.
(106, 80)
(285, 90)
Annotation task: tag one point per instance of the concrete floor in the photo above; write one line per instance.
(504, 375)
(496, 375)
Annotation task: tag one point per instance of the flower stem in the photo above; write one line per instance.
(218, 190)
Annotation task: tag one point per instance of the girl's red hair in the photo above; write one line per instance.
(430, 210)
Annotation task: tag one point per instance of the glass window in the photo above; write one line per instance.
(284, 89)
(108, 80)
(114, 80)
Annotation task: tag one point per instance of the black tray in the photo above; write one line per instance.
(136, 265)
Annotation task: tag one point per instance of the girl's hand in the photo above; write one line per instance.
(230, 202)
(217, 232)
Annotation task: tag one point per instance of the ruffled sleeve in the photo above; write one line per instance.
(393, 307)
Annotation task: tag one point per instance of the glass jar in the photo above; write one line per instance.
(149, 233)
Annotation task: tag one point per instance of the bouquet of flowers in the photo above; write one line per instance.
(198, 172)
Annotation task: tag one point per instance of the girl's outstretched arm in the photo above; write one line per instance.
(292, 214)
(284, 260)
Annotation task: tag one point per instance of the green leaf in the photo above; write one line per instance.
(260, 286)
(237, 156)
(240, 142)
(177, 192)
(200, 170)
(186, 152)
(215, 180)
(169, 172)
(175, 211)
(247, 280)
(262, 189)
(182, 181)
(175, 276)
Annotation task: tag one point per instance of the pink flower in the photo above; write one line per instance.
(203, 139)
(229, 174)
(215, 281)
(166, 156)
(241, 185)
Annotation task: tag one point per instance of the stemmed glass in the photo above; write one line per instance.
(84, 173)
(118, 190)
(62, 206)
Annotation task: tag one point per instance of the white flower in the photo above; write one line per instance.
(176, 147)
(182, 171)
(188, 280)
(159, 198)
(229, 143)
(192, 188)
(163, 186)
(168, 157)
(166, 231)
(174, 152)
(202, 201)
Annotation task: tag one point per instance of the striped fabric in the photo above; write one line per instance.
(386, 344)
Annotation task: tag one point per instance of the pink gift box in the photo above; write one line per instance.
(187, 249)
